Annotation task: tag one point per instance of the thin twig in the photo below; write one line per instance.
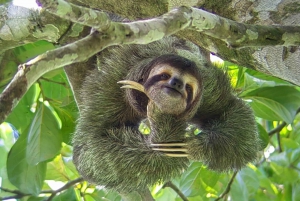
(66, 186)
(226, 191)
(280, 126)
(277, 129)
(279, 143)
(171, 185)
(48, 80)
(19, 194)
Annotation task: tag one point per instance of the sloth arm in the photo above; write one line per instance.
(109, 149)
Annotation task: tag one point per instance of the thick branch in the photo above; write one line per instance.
(232, 33)
(31, 26)
(243, 35)
(118, 33)
(89, 17)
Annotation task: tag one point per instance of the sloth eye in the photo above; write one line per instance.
(164, 76)
(189, 88)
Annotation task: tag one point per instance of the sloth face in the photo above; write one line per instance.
(170, 89)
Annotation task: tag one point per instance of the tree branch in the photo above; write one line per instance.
(172, 186)
(277, 129)
(118, 33)
(279, 142)
(66, 186)
(226, 191)
(234, 34)
(86, 16)
(19, 194)
(32, 26)
(280, 126)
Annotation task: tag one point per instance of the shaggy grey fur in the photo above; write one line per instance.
(108, 148)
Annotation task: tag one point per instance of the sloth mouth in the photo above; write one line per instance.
(172, 91)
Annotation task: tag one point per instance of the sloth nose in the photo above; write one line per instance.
(176, 83)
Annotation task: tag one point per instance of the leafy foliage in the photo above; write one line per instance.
(35, 141)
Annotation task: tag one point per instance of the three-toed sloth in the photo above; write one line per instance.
(171, 85)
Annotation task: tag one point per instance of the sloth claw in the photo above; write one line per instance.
(132, 85)
(171, 149)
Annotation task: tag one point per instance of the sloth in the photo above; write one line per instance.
(170, 85)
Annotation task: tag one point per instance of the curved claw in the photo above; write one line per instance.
(171, 149)
(132, 85)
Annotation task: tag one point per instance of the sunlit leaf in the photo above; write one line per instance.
(29, 51)
(69, 195)
(33, 198)
(56, 88)
(289, 144)
(27, 178)
(56, 170)
(295, 156)
(44, 139)
(290, 175)
(22, 116)
(275, 103)
(238, 190)
(165, 194)
(254, 80)
(263, 136)
(190, 183)
(295, 191)
(250, 179)
(265, 79)
(68, 115)
(7, 140)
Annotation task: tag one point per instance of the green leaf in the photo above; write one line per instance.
(7, 71)
(251, 82)
(296, 191)
(263, 136)
(254, 80)
(103, 195)
(68, 116)
(27, 178)
(290, 175)
(275, 103)
(209, 178)
(280, 159)
(7, 140)
(289, 144)
(30, 50)
(197, 198)
(165, 194)
(33, 198)
(250, 179)
(56, 170)
(69, 195)
(56, 88)
(4, 1)
(238, 190)
(21, 116)
(44, 139)
(190, 182)
(295, 157)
